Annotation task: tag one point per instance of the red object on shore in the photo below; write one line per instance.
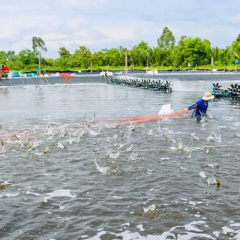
(5, 69)
(66, 76)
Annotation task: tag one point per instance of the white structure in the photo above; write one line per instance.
(105, 74)
(152, 72)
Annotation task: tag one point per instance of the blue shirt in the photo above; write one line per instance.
(200, 108)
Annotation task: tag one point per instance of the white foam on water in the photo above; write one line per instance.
(10, 195)
(189, 236)
(103, 170)
(93, 133)
(127, 235)
(116, 197)
(191, 227)
(237, 236)
(212, 165)
(227, 230)
(165, 158)
(192, 203)
(133, 157)
(120, 146)
(212, 181)
(150, 132)
(113, 155)
(98, 236)
(59, 193)
(216, 233)
(126, 224)
(140, 226)
(130, 148)
(235, 224)
(84, 236)
(31, 193)
(150, 208)
(203, 175)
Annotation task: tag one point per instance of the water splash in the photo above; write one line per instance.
(103, 170)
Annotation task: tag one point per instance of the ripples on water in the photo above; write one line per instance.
(66, 176)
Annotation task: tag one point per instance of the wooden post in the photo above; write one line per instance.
(212, 64)
(39, 64)
(126, 62)
(91, 65)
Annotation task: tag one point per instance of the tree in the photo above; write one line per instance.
(63, 52)
(224, 56)
(64, 61)
(178, 52)
(236, 48)
(141, 54)
(81, 57)
(28, 59)
(166, 40)
(38, 46)
(166, 43)
(3, 57)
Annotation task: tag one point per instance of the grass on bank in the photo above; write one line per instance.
(131, 68)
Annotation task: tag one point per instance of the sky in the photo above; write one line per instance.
(100, 24)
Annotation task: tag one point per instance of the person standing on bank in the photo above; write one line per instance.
(4, 70)
(201, 106)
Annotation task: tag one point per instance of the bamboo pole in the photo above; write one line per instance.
(126, 62)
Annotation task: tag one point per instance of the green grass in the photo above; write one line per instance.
(130, 68)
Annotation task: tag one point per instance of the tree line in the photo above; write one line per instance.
(188, 52)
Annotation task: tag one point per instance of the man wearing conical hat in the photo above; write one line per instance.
(201, 106)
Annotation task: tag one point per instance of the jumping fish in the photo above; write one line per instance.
(179, 144)
(46, 151)
(30, 146)
(60, 145)
(15, 136)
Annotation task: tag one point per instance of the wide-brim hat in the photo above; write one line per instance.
(208, 96)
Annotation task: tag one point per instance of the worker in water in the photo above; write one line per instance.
(4, 70)
(201, 106)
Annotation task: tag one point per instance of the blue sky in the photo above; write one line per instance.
(99, 24)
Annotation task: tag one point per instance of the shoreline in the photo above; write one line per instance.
(96, 78)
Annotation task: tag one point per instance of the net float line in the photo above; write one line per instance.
(141, 119)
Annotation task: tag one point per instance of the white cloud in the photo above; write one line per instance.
(84, 3)
(110, 23)
(54, 36)
(235, 19)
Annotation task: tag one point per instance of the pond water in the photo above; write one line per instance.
(65, 175)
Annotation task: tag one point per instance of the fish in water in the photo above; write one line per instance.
(60, 145)
(15, 136)
(46, 151)
(179, 144)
